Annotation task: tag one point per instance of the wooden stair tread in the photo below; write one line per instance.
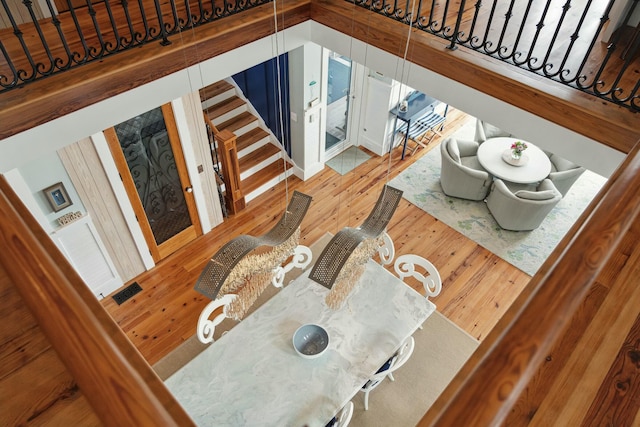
(238, 122)
(251, 137)
(257, 156)
(215, 89)
(254, 181)
(224, 107)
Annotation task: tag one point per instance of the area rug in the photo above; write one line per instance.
(441, 350)
(526, 250)
(348, 160)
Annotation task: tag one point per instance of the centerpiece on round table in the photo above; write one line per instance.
(515, 155)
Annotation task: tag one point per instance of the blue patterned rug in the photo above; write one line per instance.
(526, 250)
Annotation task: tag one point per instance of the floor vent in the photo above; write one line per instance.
(127, 293)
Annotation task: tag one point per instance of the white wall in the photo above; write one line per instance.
(582, 150)
(23, 148)
(39, 174)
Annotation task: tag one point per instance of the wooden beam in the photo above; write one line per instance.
(512, 354)
(118, 383)
(44, 100)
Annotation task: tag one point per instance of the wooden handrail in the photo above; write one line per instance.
(228, 153)
(490, 383)
(114, 377)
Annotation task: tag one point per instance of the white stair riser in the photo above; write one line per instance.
(218, 98)
(253, 147)
(256, 168)
(229, 115)
(267, 186)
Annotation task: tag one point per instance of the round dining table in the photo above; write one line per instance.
(534, 166)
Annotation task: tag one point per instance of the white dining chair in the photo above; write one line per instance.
(411, 265)
(342, 418)
(387, 370)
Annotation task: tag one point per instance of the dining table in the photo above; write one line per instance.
(252, 375)
(534, 166)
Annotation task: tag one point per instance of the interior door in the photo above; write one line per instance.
(148, 155)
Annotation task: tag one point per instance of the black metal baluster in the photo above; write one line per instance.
(507, 19)
(79, 59)
(547, 67)
(202, 18)
(56, 23)
(610, 50)
(95, 53)
(576, 34)
(486, 43)
(41, 67)
(603, 20)
(22, 73)
(446, 29)
(163, 32)
(149, 32)
(470, 40)
(176, 20)
(114, 26)
(515, 54)
(5, 82)
(530, 60)
(190, 21)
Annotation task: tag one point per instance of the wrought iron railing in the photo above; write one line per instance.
(552, 38)
(63, 40)
(541, 36)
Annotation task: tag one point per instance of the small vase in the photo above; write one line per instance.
(516, 155)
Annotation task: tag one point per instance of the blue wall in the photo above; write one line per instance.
(260, 86)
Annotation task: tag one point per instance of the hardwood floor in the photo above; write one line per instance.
(477, 285)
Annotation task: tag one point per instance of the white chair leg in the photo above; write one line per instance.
(366, 400)
(391, 377)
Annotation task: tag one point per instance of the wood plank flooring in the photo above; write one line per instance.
(477, 285)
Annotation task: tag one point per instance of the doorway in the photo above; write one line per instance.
(148, 155)
(339, 84)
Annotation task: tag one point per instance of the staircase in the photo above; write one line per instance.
(259, 157)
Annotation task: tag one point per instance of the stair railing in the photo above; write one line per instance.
(227, 152)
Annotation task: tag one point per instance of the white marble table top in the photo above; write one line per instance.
(252, 376)
(535, 170)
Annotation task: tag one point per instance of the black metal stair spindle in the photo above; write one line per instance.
(576, 34)
(471, 38)
(58, 25)
(603, 20)
(546, 65)
(114, 26)
(41, 67)
(22, 74)
(530, 60)
(79, 59)
(514, 50)
(95, 53)
(507, 18)
(5, 82)
(148, 31)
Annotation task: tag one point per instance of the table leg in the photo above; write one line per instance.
(406, 138)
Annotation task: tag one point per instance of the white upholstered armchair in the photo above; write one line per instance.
(461, 174)
(564, 173)
(523, 210)
(486, 131)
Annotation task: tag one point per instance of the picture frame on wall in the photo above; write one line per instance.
(57, 196)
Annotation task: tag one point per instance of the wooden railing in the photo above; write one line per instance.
(486, 389)
(228, 154)
(124, 390)
(116, 380)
